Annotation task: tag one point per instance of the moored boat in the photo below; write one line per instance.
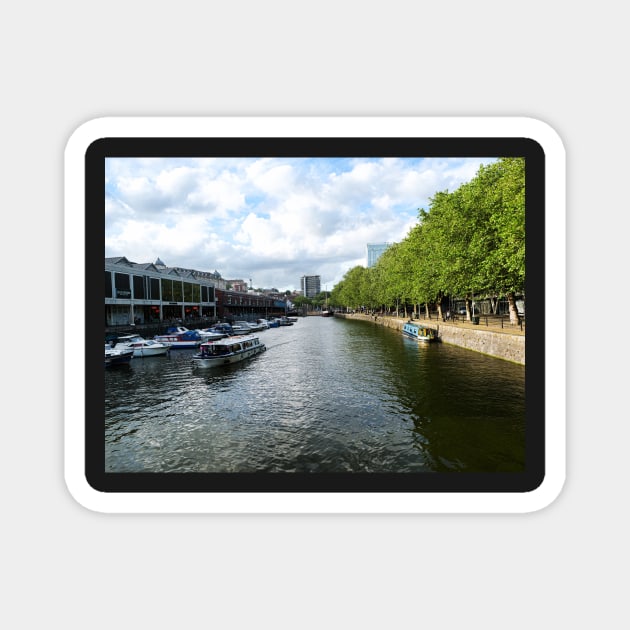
(178, 340)
(226, 351)
(115, 357)
(211, 334)
(418, 332)
(223, 327)
(241, 328)
(247, 327)
(142, 347)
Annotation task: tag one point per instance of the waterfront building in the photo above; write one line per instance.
(238, 285)
(233, 305)
(310, 285)
(374, 252)
(143, 293)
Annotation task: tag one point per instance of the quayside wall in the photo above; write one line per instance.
(502, 345)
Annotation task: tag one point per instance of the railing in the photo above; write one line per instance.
(490, 321)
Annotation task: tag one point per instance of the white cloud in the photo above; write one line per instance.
(272, 220)
(275, 181)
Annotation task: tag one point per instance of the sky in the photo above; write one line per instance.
(271, 220)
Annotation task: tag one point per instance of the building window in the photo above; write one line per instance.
(138, 288)
(167, 291)
(108, 284)
(123, 288)
(188, 292)
(178, 293)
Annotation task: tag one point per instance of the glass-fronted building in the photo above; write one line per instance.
(374, 251)
(310, 285)
(143, 293)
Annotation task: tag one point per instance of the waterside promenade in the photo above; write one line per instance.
(491, 337)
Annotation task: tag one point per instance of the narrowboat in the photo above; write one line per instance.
(418, 332)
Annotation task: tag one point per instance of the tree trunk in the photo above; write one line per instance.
(514, 318)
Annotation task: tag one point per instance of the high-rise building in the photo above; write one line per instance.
(374, 251)
(311, 285)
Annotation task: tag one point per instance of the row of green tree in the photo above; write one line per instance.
(315, 303)
(471, 242)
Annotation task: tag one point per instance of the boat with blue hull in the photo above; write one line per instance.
(419, 332)
(180, 337)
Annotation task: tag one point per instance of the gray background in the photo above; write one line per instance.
(67, 62)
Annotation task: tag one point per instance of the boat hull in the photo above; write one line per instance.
(176, 342)
(117, 357)
(151, 352)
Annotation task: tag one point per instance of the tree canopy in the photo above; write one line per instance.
(470, 242)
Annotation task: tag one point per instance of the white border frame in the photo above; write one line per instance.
(298, 502)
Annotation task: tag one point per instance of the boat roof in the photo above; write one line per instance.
(228, 341)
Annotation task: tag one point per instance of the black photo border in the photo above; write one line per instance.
(311, 147)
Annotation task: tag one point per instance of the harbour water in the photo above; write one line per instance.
(328, 395)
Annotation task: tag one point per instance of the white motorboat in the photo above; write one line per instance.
(143, 347)
(226, 351)
(115, 357)
(254, 326)
(211, 334)
(241, 328)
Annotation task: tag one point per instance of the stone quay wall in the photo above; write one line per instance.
(502, 345)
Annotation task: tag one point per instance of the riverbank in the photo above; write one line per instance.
(505, 344)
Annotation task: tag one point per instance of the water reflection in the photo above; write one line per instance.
(327, 396)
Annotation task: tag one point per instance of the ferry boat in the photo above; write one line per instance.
(418, 332)
(226, 351)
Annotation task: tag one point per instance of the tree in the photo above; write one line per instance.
(505, 261)
(475, 236)
(300, 300)
(470, 242)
